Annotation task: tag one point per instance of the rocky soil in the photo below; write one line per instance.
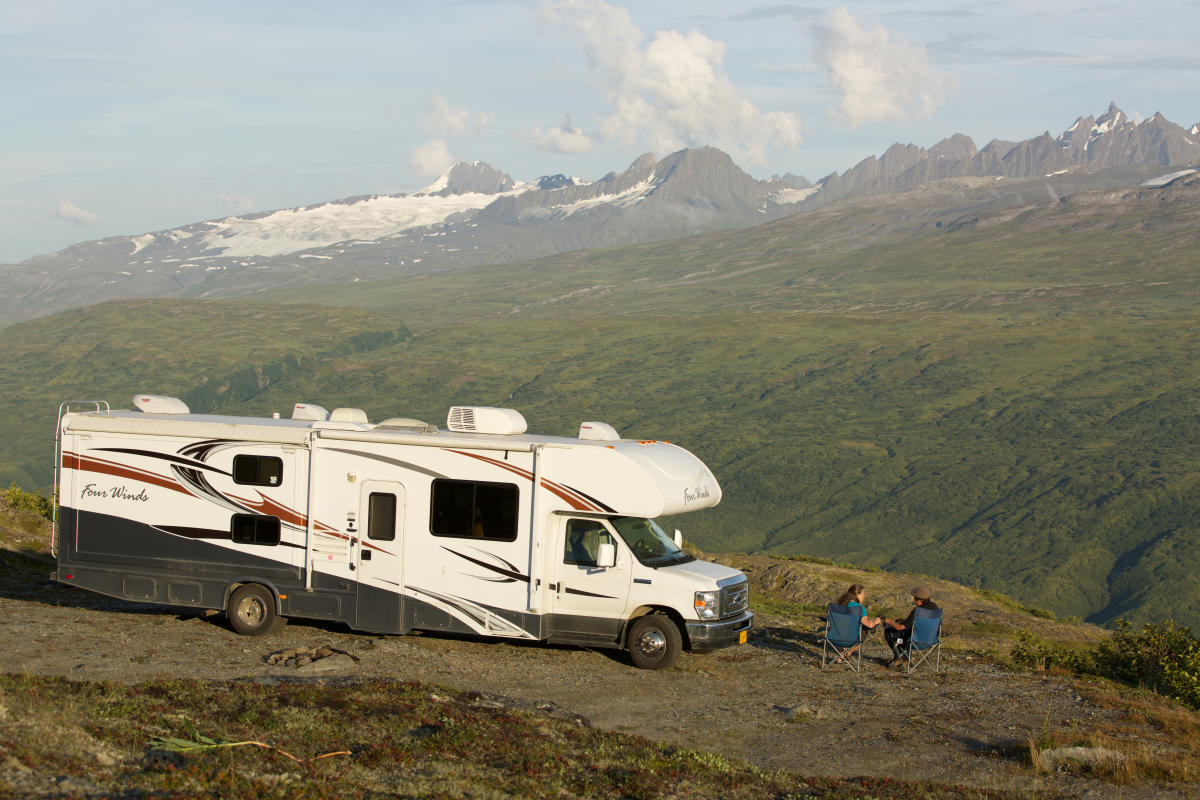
(767, 702)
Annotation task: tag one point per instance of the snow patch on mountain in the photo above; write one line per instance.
(140, 242)
(291, 230)
(1163, 180)
(630, 197)
(785, 196)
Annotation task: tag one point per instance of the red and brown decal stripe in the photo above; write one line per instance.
(576, 500)
(98, 465)
(265, 505)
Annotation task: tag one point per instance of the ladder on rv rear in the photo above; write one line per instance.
(100, 407)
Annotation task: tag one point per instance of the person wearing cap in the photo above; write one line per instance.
(896, 633)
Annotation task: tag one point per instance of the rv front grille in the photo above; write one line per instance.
(735, 599)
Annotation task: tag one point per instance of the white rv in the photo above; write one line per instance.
(395, 526)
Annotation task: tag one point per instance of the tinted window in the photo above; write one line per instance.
(381, 516)
(474, 509)
(257, 470)
(255, 529)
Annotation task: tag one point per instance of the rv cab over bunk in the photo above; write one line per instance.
(478, 528)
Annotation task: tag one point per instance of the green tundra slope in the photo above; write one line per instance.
(1000, 394)
(209, 352)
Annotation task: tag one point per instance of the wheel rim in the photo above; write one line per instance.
(652, 643)
(252, 611)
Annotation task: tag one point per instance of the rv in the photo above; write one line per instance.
(393, 527)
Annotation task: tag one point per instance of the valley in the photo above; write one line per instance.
(997, 390)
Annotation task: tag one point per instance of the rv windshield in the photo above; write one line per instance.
(652, 546)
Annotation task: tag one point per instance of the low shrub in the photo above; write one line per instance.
(17, 498)
(1163, 657)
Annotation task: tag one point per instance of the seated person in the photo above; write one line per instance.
(853, 598)
(896, 633)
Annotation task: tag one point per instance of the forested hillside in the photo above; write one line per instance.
(1000, 394)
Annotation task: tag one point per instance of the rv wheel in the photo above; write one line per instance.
(654, 642)
(252, 611)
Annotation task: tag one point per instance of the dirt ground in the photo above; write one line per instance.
(767, 702)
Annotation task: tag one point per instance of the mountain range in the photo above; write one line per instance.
(477, 215)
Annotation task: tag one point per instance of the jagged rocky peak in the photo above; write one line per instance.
(471, 177)
(955, 147)
(702, 163)
(792, 180)
(644, 161)
(557, 181)
(1112, 118)
(1087, 129)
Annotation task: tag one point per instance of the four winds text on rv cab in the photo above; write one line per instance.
(114, 493)
(692, 495)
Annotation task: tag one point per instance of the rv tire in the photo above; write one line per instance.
(654, 642)
(251, 610)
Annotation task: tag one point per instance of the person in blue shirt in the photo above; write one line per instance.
(855, 598)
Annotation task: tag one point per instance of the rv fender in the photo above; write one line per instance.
(666, 611)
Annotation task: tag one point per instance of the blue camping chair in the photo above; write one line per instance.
(924, 640)
(843, 635)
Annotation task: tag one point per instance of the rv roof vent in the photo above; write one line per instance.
(310, 411)
(348, 415)
(598, 432)
(405, 422)
(159, 404)
(481, 419)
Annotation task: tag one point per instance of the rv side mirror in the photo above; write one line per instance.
(606, 555)
(679, 538)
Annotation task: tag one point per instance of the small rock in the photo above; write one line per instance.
(334, 663)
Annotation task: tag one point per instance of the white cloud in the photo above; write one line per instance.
(66, 210)
(431, 158)
(672, 91)
(442, 119)
(878, 78)
(562, 138)
(237, 203)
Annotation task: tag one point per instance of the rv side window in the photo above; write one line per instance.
(474, 509)
(258, 470)
(584, 537)
(381, 516)
(255, 529)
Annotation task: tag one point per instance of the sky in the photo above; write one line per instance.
(127, 117)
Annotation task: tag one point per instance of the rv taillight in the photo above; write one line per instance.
(69, 577)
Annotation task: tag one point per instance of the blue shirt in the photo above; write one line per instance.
(854, 603)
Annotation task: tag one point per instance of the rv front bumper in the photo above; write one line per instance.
(721, 633)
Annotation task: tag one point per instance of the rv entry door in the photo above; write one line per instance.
(377, 556)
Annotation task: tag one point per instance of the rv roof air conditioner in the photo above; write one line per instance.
(481, 419)
(348, 415)
(598, 432)
(309, 411)
(159, 404)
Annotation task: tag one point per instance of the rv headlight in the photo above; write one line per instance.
(707, 604)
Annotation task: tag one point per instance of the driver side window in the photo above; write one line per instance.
(584, 537)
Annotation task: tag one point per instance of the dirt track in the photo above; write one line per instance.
(767, 702)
